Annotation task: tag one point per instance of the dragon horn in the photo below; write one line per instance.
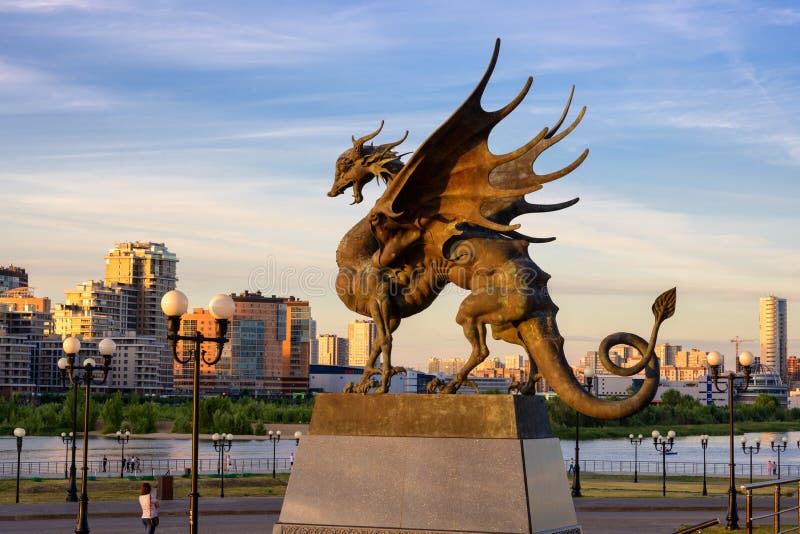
(389, 146)
(358, 144)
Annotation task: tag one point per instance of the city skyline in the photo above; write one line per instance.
(216, 130)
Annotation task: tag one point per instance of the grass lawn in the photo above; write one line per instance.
(119, 489)
(612, 486)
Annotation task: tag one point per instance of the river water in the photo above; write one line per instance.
(618, 453)
(43, 448)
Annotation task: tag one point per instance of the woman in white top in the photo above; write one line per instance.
(149, 504)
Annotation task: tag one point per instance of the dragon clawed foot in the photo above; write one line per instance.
(456, 383)
(397, 371)
(529, 387)
(364, 387)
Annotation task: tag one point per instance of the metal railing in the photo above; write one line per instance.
(176, 466)
(698, 527)
(776, 504)
(713, 469)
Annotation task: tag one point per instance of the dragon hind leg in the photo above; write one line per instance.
(475, 332)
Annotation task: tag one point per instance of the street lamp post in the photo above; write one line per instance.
(635, 441)
(588, 374)
(71, 346)
(222, 444)
(19, 433)
(123, 436)
(704, 444)
(274, 438)
(67, 440)
(174, 304)
(85, 374)
(714, 361)
(750, 450)
(779, 448)
(663, 445)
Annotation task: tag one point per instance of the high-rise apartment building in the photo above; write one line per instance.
(312, 334)
(197, 320)
(27, 319)
(690, 358)
(12, 277)
(136, 363)
(446, 367)
(326, 350)
(342, 351)
(515, 361)
(296, 347)
(666, 353)
(361, 336)
(93, 309)
(772, 329)
(268, 352)
(150, 268)
(792, 370)
(331, 350)
(15, 357)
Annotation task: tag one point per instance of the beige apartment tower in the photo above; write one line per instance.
(772, 328)
(151, 269)
(360, 338)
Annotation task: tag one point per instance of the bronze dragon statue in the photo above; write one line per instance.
(446, 217)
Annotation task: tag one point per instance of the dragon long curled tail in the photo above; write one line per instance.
(547, 348)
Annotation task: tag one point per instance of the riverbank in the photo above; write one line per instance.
(714, 429)
(163, 428)
(591, 433)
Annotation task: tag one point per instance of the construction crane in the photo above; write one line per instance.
(736, 341)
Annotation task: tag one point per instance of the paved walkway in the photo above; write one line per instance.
(257, 515)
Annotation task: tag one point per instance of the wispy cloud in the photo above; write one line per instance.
(48, 5)
(783, 16)
(25, 89)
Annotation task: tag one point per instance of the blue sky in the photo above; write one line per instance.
(214, 127)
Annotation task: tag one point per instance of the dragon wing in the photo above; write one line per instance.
(454, 178)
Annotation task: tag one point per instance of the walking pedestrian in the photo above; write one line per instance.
(291, 460)
(149, 504)
(571, 466)
(105, 463)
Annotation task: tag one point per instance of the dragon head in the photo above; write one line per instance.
(359, 165)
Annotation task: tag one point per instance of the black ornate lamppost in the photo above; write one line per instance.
(67, 440)
(635, 441)
(750, 450)
(779, 448)
(714, 361)
(588, 374)
(663, 445)
(704, 444)
(71, 346)
(274, 438)
(123, 436)
(19, 433)
(174, 304)
(85, 374)
(222, 444)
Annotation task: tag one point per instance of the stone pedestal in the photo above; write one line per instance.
(428, 464)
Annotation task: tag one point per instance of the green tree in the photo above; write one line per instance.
(671, 397)
(112, 413)
(767, 401)
(142, 417)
